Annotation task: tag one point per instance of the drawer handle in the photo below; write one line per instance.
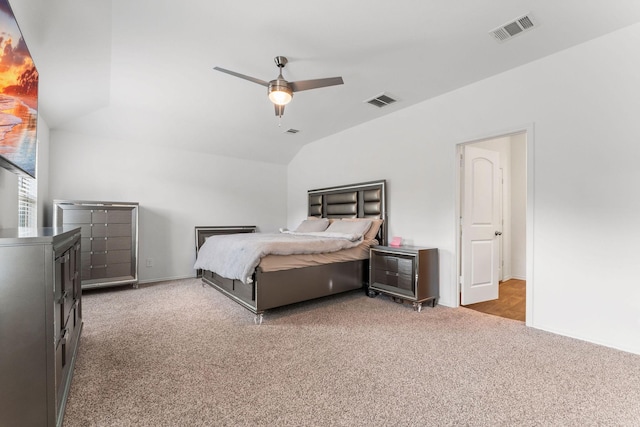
(63, 337)
(391, 273)
(64, 296)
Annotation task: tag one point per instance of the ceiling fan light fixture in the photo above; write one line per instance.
(279, 93)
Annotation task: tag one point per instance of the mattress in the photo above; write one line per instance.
(287, 262)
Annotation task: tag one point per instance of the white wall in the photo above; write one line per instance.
(8, 199)
(583, 103)
(177, 190)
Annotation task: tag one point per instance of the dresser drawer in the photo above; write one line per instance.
(98, 258)
(116, 257)
(118, 243)
(98, 272)
(119, 217)
(98, 230)
(119, 230)
(77, 216)
(99, 244)
(99, 216)
(119, 270)
(64, 353)
(85, 266)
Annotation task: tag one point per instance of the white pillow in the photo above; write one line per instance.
(312, 225)
(372, 233)
(349, 227)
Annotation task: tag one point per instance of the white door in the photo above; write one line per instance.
(481, 228)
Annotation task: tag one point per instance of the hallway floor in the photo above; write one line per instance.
(511, 303)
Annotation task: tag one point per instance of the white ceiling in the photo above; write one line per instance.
(142, 70)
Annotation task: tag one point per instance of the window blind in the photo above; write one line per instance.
(27, 202)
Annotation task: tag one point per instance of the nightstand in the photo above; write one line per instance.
(405, 273)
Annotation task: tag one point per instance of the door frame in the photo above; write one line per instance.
(528, 130)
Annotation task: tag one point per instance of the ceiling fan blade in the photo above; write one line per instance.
(242, 76)
(314, 84)
(279, 110)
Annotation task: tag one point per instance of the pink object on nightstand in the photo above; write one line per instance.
(396, 242)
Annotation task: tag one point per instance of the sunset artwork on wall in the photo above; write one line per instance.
(18, 98)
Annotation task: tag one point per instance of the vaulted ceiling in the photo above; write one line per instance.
(142, 70)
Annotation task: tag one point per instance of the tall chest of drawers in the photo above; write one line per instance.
(109, 239)
(40, 323)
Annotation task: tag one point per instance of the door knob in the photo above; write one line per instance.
(498, 233)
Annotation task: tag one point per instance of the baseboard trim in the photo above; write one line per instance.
(604, 343)
(164, 279)
(512, 277)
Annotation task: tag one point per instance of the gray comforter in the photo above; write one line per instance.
(235, 256)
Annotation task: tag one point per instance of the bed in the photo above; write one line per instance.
(278, 280)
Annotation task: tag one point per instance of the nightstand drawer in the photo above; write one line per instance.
(390, 278)
(395, 264)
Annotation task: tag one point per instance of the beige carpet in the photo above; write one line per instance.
(180, 354)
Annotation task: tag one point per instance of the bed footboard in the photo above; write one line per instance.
(278, 288)
(242, 293)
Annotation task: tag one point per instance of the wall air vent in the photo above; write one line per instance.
(518, 26)
(291, 130)
(381, 100)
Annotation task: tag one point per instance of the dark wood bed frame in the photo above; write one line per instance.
(278, 288)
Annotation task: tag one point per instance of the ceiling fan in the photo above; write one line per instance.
(281, 91)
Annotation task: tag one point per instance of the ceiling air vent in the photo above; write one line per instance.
(512, 29)
(291, 130)
(381, 100)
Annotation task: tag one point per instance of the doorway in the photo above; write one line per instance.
(493, 267)
(511, 303)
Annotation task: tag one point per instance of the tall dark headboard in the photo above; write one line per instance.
(364, 200)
